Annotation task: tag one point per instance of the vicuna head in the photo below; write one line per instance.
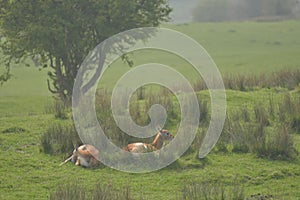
(161, 137)
(165, 135)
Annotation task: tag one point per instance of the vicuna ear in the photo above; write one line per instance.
(76, 147)
(159, 129)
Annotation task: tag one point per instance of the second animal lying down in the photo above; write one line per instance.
(86, 155)
(161, 137)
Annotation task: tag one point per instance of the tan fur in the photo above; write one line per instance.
(161, 137)
(86, 155)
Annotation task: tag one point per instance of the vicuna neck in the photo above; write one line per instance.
(158, 142)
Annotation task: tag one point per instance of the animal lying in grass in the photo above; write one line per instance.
(85, 156)
(161, 137)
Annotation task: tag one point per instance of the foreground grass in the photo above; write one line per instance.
(27, 173)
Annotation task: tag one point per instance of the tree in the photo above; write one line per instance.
(62, 32)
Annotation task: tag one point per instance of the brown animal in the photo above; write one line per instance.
(85, 155)
(161, 137)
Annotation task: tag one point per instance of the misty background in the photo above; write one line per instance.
(233, 10)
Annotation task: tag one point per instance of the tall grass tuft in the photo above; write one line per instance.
(212, 191)
(100, 192)
(59, 138)
(285, 78)
(280, 146)
(258, 141)
(139, 105)
(289, 79)
(204, 110)
(261, 114)
(59, 108)
(69, 192)
(289, 110)
(240, 135)
(106, 119)
(257, 138)
(103, 192)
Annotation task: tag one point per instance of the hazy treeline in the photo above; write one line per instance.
(236, 10)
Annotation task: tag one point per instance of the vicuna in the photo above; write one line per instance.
(85, 155)
(161, 137)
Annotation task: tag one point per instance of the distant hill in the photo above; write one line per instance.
(182, 10)
(233, 10)
(241, 10)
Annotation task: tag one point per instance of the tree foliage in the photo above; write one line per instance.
(60, 33)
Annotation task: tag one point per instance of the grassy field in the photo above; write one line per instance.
(236, 48)
(249, 47)
(28, 173)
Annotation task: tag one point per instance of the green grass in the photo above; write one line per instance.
(27, 173)
(26, 81)
(26, 93)
(250, 46)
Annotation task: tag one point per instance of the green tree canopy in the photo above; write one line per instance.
(62, 32)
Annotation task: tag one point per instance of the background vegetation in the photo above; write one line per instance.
(233, 10)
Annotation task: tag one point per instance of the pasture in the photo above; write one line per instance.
(26, 172)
